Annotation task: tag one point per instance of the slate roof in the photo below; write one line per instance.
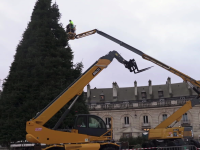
(95, 94)
(128, 93)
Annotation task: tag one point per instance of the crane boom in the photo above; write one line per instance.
(177, 115)
(144, 56)
(38, 133)
(81, 35)
(76, 87)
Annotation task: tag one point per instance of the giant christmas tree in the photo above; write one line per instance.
(42, 68)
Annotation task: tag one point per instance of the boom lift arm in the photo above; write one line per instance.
(37, 133)
(144, 56)
(164, 135)
(162, 131)
(177, 115)
(76, 88)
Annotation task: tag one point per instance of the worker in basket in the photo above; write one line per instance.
(70, 27)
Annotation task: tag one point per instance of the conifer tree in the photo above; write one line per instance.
(42, 68)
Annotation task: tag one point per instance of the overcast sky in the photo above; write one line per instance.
(167, 30)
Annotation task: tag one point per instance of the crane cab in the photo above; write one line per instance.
(90, 125)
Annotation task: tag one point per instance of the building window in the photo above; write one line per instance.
(102, 97)
(160, 93)
(164, 116)
(185, 117)
(126, 120)
(145, 119)
(144, 95)
(108, 122)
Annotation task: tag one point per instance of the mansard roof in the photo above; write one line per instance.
(128, 93)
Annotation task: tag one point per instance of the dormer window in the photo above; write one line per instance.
(102, 96)
(144, 95)
(160, 94)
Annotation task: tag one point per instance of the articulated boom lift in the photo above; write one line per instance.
(89, 131)
(192, 82)
(166, 135)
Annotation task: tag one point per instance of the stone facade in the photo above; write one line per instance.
(136, 109)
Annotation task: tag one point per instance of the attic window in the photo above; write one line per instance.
(144, 95)
(102, 97)
(160, 93)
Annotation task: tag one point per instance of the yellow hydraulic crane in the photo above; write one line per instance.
(89, 131)
(166, 135)
(163, 134)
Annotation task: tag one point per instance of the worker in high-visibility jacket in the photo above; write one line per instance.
(71, 26)
(71, 23)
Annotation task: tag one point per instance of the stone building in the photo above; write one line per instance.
(137, 109)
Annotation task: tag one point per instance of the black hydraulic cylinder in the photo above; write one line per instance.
(64, 115)
(195, 101)
(193, 87)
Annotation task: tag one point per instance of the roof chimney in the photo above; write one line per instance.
(115, 90)
(135, 87)
(169, 86)
(150, 88)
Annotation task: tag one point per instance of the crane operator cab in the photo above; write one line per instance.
(90, 125)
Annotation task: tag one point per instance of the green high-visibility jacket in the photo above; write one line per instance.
(71, 23)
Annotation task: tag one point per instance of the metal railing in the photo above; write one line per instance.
(185, 121)
(146, 124)
(107, 106)
(164, 103)
(181, 102)
(184, 147)
(135, 105)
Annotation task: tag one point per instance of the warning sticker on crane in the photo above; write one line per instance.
(96, 71)
(38, 129)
